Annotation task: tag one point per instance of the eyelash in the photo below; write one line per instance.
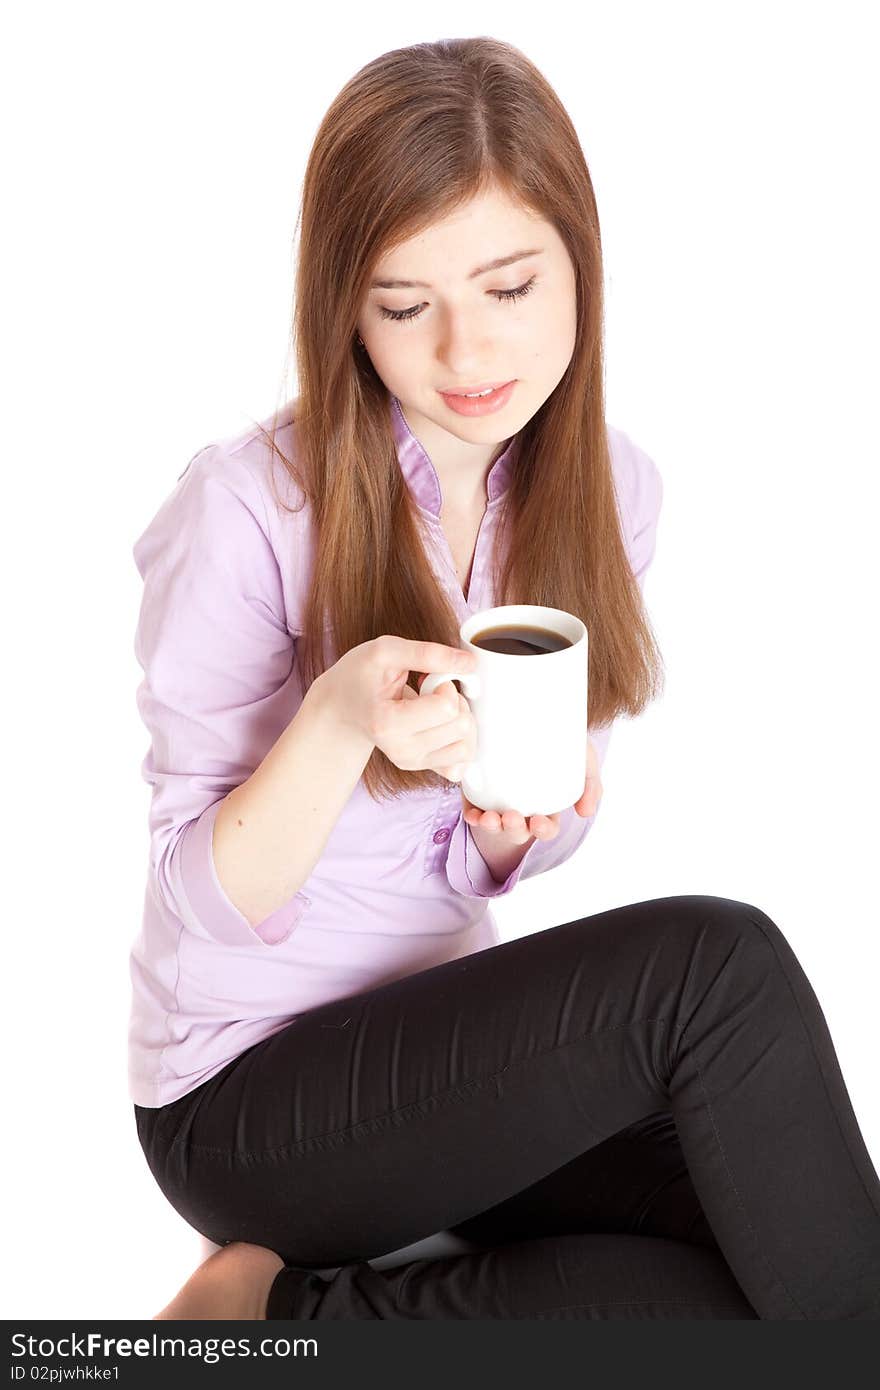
(406, 315)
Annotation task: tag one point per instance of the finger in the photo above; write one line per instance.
(450, 760)
(424, 659)
(544, 827)
(515, 827)
(435, 711)
(392, 652)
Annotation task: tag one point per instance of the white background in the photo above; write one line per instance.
(154, 159)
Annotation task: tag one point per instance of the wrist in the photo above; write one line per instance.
(322, 707)
(500, 856)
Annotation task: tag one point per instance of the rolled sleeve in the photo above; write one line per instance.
(467, 871)
(194, 884)
(469, 874)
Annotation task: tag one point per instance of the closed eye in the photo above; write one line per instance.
(406, 315)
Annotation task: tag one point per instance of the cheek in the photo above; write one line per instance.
(566, 319)
(396, 349)
(551, 341)
(386, 357)
(559, 332)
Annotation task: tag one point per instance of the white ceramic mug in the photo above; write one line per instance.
(530, 712)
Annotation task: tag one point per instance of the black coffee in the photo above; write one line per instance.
(517, 639)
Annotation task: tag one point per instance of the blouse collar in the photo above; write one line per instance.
(419, 471)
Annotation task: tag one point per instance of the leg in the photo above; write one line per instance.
(582, 1277)
(635, 1182)
(372, 1121)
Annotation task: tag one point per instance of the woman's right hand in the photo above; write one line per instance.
(368, 692)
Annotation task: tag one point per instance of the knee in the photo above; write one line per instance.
(738, 925)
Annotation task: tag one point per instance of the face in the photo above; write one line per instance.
(458, 330)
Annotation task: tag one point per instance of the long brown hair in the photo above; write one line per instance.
(412, 136)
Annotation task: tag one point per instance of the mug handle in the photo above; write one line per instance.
(471, 685)
(470, 681)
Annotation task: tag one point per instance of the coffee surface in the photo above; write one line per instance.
(518, 639)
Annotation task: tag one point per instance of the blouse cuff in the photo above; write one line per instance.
(215, 913)
(469, 874)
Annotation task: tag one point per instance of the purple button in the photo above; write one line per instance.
(440, 836)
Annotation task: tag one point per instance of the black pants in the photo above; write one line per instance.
(640, 1114)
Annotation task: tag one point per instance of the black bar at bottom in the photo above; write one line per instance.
(131, 1353)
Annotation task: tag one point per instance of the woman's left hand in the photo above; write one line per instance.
(514, 826)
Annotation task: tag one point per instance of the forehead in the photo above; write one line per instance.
(490, 224)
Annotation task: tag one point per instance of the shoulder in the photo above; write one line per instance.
(227, 491)
(243, 474)
(637, 479)
(250, 449)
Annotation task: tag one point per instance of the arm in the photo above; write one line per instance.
(477, 862)
(217, 695)
(485, 866)
(270, 832)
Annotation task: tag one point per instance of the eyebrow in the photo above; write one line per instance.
(480, 270)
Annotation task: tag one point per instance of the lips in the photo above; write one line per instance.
(470, 390)
(496, 399)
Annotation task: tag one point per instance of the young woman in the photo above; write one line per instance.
(636, 1114)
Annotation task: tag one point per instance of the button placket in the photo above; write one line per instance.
(448, 803)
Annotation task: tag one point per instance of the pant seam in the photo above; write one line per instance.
(302, 1145)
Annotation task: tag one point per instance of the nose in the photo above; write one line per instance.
(464, 346)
